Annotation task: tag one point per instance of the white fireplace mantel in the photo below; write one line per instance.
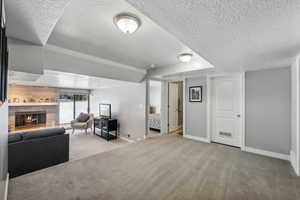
(31, 104)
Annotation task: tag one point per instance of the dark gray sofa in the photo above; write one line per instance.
(33, 150)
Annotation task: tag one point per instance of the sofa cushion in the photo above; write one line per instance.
(43, 133)
(14, 138)
(83, 117)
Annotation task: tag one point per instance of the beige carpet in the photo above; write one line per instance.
(82, 145)
(167, 168)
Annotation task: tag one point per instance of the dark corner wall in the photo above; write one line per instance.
(268, 110)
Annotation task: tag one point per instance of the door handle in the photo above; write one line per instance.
(238, 115)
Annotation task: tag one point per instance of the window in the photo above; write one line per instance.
(66, 108)
(71, 105)
(81, 104)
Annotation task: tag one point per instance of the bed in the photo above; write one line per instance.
(154, 121)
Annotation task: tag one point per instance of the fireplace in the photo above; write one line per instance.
(31, 119)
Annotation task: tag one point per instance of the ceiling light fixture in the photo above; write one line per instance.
(185, 57)
(127, 22)
(152, 66)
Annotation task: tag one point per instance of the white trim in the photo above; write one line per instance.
(267, 153)
(162, 104)
(293, 160)
(183, 107)
(6, 187)
(147, 107)
(295, 153)
(31, 104)
(297, 116)
(243, 113)
(164, 108)
(183, 101)
(201, 139)
(126, 139)
(91, 58)
(208, 114)
(208, 108)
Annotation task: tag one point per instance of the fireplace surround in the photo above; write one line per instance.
(30, 119)
(52, 115)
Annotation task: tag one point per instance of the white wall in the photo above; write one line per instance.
(295, 78)
(27, 57)
(128, 106)
(3, 148)
(155, 95)
(164, 107)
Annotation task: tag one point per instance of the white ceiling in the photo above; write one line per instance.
(87, 27)
(232, 34)
(33, 20)
(63, 80)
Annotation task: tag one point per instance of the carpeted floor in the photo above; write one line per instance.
(82, 145)
(166, 167)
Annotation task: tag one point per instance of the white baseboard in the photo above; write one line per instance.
(6, 187)
(268, 153)
(126, 139)
(201, 139)
(293, 160)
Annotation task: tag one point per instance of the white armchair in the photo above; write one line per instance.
(83, 125)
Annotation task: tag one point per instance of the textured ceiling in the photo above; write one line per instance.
(33, 20)
(232, 34)
(87, 27)
(64, 80)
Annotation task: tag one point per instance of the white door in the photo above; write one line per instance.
(173, 106)
(226, 110)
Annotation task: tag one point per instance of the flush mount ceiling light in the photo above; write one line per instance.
(152, 66)
(185, 57)
(127, 22)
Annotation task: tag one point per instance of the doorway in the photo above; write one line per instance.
(227, 110)
(175, 107)
(154, 108)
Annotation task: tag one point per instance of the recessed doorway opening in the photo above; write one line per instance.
(175, 107)
(154, 108)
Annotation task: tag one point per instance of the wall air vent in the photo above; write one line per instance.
(227, 134)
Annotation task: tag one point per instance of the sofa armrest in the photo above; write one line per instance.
(90, 123)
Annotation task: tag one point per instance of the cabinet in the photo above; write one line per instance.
(108, 128)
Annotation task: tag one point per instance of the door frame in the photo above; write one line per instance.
(171, 115)
(183, 80)
(147, 107)
(209, 78)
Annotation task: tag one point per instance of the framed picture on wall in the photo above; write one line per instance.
(195, 94)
